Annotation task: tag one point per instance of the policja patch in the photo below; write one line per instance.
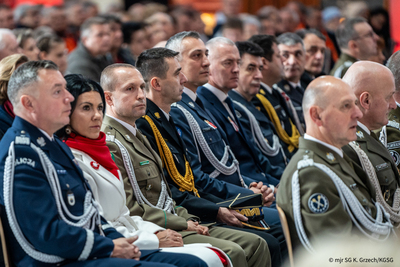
(318, 203)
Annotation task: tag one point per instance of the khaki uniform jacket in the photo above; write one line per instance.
(386, 169)
(148, 171)
(330, 218)
(342, 65)
(393, 135)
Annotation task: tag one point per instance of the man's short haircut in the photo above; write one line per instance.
(21, 10)
(346, 32)
(250, 48)
(4, 32)
(108, 79)
(394, 65)
(174, 43)
(86, 26)
(111, 18)
(304, 32)
(46, 42)
(151, 63)
(219, 40)
(128, 28)
(24, 76)
(289, 39)
(266, 42)
(233, 23)
(46, 11)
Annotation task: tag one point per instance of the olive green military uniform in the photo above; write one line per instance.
(386, 169)
(342, 65)
(244, 249)
(393, 135)
(322, 210)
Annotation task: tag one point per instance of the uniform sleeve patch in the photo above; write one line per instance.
(393, 145)
(318, 203)
(395, 156)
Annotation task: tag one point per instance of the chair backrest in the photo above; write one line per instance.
(286, 232)
(6, 259)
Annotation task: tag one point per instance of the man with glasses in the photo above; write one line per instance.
(357, 41)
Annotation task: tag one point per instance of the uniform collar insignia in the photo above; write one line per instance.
(330, 156)
(286, 87)
(157, 115)
(191, 104)
(41, 141)
(360, 134)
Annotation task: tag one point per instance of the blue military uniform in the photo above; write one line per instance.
(223, 186)
(252, 165)
(36, 211)
(203, 206)
(282, 111)
(278, 161)
(296, 95)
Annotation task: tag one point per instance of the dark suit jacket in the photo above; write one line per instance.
(267, 128)
(223, 186)
(5, 121)
(205, 206)
(252, 164)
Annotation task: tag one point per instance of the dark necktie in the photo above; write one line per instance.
(374, 136)
(228, 101)
(199, 102)
(349, 161)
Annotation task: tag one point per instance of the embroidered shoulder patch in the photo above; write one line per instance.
(318, 203)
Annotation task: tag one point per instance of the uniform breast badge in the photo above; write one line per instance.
(318, 203)
(95, 165)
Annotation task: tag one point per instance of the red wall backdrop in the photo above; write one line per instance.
(394, 12)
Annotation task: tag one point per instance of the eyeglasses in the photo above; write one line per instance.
(371, 34)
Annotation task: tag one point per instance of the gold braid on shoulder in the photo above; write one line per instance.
(185, 183)
(292, 141)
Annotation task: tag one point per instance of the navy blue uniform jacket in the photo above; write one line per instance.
(251, 164)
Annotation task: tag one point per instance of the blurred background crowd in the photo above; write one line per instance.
(118, 31)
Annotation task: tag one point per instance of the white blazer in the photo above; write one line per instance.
(109, 192)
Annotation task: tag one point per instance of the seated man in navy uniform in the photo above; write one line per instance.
(228, 182)
(256, 125)
(272, 101)
(224, 74)
(164, 85)
(320, 192)
(293, 56)
(50, 215)
(373, 84)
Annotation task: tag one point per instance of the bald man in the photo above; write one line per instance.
(373, 85)
(309, 186)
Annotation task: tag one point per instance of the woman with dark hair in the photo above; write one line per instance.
(88, 144)
(7, 66)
